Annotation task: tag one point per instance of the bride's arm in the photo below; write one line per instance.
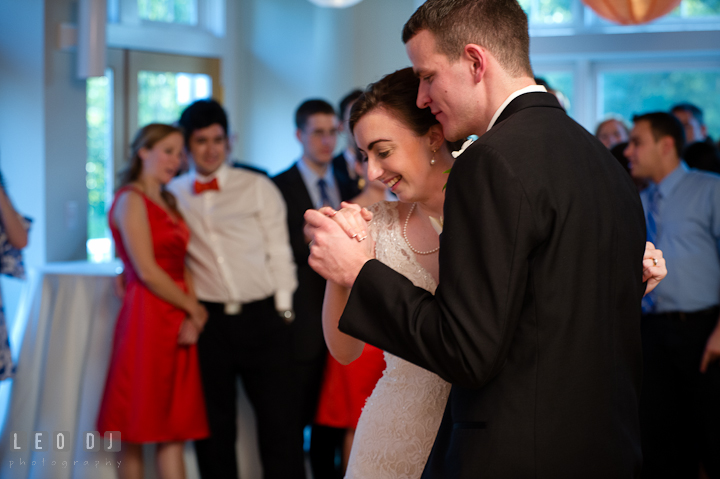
(344, 348)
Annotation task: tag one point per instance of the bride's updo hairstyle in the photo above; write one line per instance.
(396, 93)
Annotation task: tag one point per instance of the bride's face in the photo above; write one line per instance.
(399, 158)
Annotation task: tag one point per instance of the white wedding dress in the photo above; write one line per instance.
(401, 417)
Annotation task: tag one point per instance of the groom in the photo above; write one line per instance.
(536, 321)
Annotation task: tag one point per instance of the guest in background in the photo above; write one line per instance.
(13, 238)
(244, 275)
(310, 183)
(153, 391)
(692, 119)
(679, 413)
(346, 163)
(700, 151)
(702, 155)
(618, 151)
(612, 131)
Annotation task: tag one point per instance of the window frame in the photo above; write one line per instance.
(210, 18)
(662, 64)
(586, 21)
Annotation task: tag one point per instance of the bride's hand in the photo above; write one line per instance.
(351, 218)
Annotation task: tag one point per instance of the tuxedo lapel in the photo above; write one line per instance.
(299, 190)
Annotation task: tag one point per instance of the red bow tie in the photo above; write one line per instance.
(202, 187)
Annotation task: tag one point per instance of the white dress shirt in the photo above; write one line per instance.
(527, 89)
(239, 248)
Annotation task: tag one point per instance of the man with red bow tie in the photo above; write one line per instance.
(240, 257)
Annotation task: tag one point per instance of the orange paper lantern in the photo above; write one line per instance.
(632, 12)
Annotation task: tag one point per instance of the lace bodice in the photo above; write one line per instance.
(401, 418)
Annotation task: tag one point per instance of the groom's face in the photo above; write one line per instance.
(445, 87)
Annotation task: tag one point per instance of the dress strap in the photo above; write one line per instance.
(130, 186)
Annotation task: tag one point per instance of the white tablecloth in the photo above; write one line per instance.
(70, 311)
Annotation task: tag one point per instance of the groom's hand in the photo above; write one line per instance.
(333, 254)
(654, 269)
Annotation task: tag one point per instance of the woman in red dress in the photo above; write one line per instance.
(153, 391)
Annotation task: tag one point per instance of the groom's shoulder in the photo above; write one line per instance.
(535, 131)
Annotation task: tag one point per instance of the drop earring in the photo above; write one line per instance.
(432, 161)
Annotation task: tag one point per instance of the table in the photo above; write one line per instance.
(70, 311)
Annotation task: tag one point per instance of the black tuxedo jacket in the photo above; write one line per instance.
(307, 301)
(536, 320)
(340, 167)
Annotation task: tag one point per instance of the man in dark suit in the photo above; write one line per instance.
(311, 183)
(346, 161)
(536, 319)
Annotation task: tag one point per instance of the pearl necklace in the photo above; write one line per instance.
(404, 232)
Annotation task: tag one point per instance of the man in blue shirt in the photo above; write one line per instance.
(680, 402)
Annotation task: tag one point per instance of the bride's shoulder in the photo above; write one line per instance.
(384, 217)
(384, 211)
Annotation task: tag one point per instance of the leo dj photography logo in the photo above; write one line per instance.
(23, 443)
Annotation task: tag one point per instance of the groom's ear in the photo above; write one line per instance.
(477, 58)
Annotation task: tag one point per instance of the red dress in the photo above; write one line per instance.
(346, 388)
(153, 391)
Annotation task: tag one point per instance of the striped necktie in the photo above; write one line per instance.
(324, 197)
(653, 215)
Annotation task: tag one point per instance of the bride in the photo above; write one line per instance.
(405, 149)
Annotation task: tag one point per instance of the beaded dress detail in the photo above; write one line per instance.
(400, 420)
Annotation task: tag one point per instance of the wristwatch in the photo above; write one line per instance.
(288, 315)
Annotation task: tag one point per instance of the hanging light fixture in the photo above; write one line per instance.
(632, 12)
(335, 3)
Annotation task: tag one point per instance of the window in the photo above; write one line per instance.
(191, 17)
(130, 95)
(632, 91)
(163, 95)
(99, 167)
(568, 17)
(697, 9)
(170, 11)
(550, 12)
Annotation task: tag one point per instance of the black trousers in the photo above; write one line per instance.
(324, 442)
(326, 446)
(679, 406)
(254, 345)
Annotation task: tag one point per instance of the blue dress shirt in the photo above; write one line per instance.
(689, 237)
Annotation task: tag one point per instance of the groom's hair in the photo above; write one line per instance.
(396, 93)
(500, 26)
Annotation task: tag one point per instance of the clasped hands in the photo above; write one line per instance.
(192, 325)
(340, 243)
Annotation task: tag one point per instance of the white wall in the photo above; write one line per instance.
(22, 126)
(293, 50)
(66, 201)
(22, 114)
